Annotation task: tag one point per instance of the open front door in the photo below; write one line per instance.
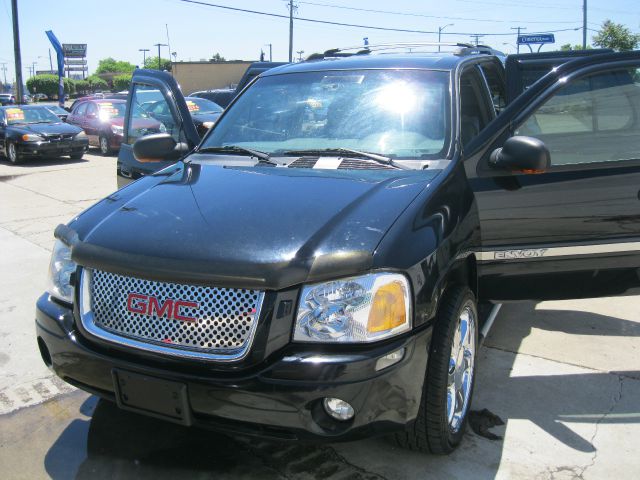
(572, 230)
(151, 91)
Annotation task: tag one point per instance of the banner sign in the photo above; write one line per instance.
(540, 38)
(74, 49)
(60, 54)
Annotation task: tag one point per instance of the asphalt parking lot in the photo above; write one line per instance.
(557, 395)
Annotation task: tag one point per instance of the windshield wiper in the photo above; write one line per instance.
(376, 157)
(261, 156)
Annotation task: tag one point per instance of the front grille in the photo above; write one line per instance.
(54, 137)
(143, 313)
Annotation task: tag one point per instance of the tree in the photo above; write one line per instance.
(567, 47)
(218, 58)
(110, 65)
(122, 82)
(47, 84)
(615, 36)
(82, 86)
(96, 83)
(152, 63)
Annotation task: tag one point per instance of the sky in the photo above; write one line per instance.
(119, 28)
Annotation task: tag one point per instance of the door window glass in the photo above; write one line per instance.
(473, 115)
(592, 119)
(146, 100)
(496, 83)
(81, 109)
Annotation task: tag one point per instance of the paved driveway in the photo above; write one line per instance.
(563, 377)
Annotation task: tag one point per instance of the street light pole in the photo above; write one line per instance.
(584, 24)
(440, 29)
(144, 56)
(159, 45)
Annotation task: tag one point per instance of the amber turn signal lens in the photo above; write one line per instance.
(388, 308)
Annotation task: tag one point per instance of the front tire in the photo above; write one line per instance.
(450, 377)
(12, 153)
(103, 143)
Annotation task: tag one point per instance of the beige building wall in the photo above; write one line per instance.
(193, 76)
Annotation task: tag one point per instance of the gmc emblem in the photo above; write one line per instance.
(149, 305)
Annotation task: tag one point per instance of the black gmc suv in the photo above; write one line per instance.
(312, 268)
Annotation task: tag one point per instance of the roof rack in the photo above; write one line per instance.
(461, 49)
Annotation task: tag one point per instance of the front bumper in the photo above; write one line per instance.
(279, 398)
(44, 148)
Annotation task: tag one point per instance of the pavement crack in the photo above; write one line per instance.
(507, 350)
(616, 400)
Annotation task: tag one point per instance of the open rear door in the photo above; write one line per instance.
(153, 91)
(524, 69)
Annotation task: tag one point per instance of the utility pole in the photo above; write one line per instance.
(50, 62)
(292, 6)
(144, 56)
(584, 24)
(159, 45)
(440, 29)
(476, 37)
(270, 51)
(16, 51)
(518, 37)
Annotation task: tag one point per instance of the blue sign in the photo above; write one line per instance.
(540, 38)
(60, 54)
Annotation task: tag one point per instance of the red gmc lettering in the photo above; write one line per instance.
(149, 305)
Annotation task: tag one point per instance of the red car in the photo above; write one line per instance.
(103, 122)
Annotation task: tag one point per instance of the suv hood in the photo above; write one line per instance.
(254, 227)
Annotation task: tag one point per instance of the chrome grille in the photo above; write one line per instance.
(222, 325)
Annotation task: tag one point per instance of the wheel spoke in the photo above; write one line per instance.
(460, 372)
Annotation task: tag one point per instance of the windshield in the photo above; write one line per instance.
(57, 109)
(200, 106)
(30, 115)
(398, 113)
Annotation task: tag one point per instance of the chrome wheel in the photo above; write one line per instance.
(461, 368)
(104, 145)
(12, 153)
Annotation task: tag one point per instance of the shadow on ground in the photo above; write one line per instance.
(105, 442)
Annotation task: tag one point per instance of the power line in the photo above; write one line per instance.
(422, 15)
(342, 24)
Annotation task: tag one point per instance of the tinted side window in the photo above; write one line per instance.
(92, 109)
(495, 80)
(473, 114)
(81, 109)
(141, 122)
(592, 119)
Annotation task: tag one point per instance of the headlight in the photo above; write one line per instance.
(354, 310)
(117, 130)
(80, 135)
(29, 137)
(60, 270)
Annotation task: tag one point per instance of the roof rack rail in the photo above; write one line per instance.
(462, 49)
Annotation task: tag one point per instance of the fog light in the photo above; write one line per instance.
(338, 409)
(389, 359)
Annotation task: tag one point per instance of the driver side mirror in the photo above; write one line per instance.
(521, 154)
(158, 147)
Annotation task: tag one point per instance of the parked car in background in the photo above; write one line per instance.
(223, 96)
(99, 96)
(204, 113)
(61, 113)
(103, 122)
(39, 97)
(7, 99)
(34, 131)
